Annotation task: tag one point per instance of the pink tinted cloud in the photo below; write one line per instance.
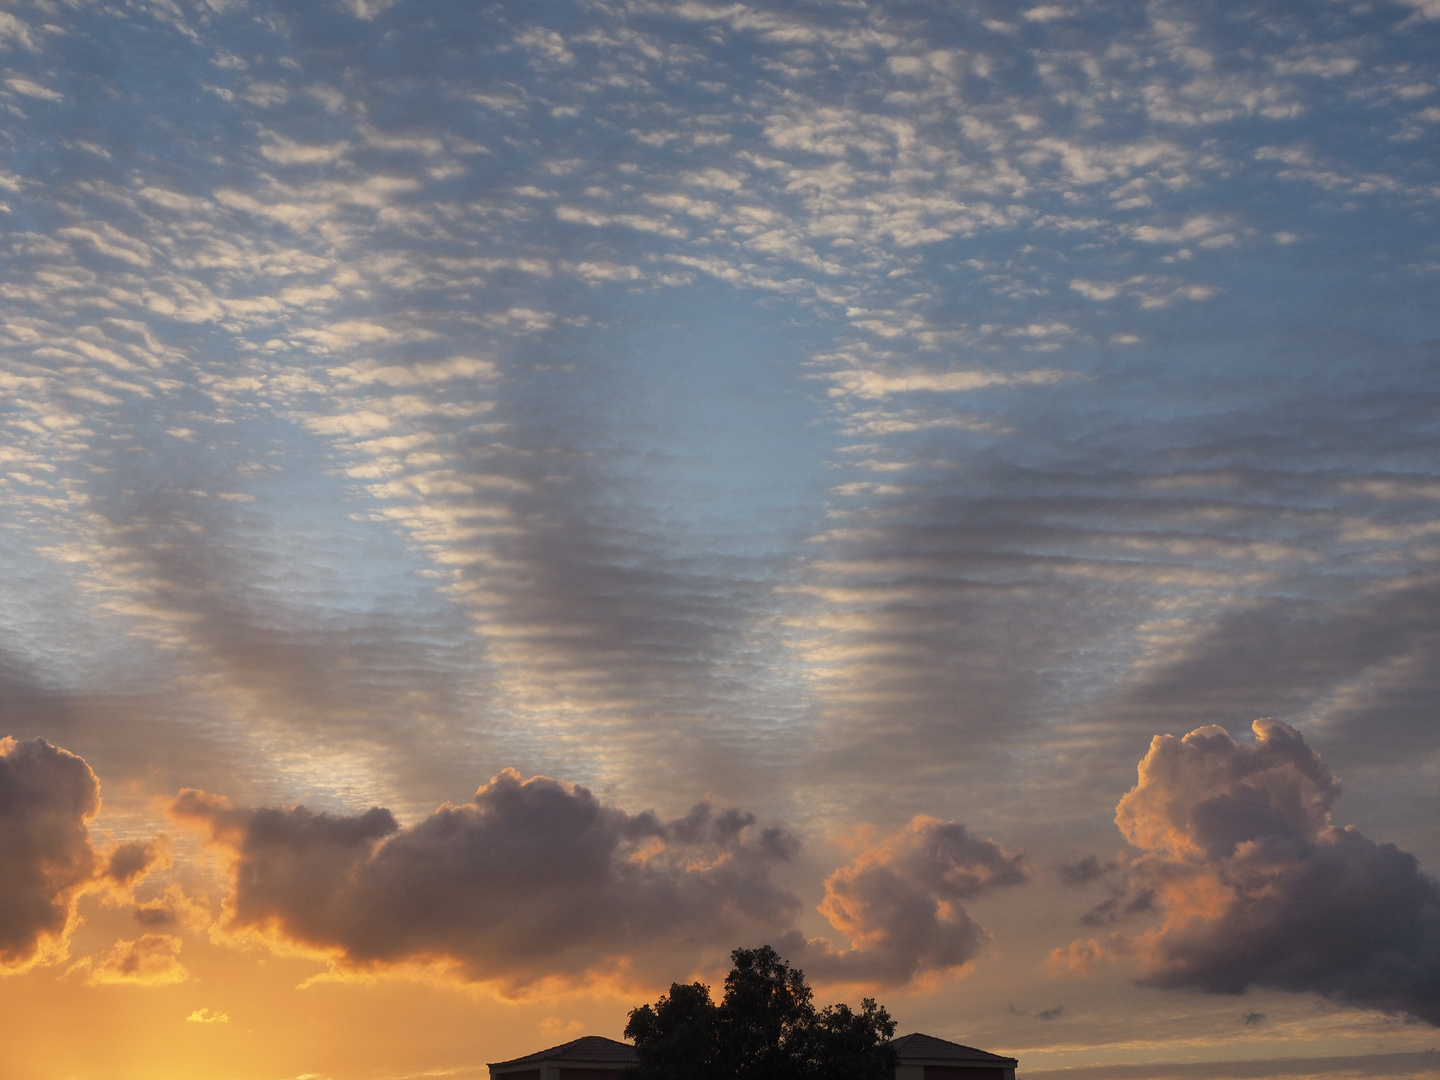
(1256, 887)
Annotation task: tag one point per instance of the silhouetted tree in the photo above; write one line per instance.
(765, 1028)
(676, 1037)
(846, 1045)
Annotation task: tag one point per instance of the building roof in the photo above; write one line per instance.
(588, 1049)
(597, 1050)
(919, 1047)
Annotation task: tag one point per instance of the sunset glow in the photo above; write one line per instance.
(502, 504)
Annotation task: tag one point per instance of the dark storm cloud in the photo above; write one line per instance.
(899, 903)
(47, 798)
(1259, 889)
(534, 878)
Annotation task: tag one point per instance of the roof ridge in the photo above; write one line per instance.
(918, 1045)
(603, 1048)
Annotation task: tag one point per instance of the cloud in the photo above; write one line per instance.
(150, 960)
(875, 384)
(1076, 958)
(1428, 9)
(533, 878)
(898, 901)
(30, 88)
(537, 879)
(11, 27)
(132, 860)
(1085, 870)
(172, 908)
(47, 798)
(1257, 888)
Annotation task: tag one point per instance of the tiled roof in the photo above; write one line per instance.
(919, 1047)
(587, 1049)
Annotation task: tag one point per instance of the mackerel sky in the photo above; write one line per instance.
(825, 443)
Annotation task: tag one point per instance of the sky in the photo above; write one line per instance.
(504, 503)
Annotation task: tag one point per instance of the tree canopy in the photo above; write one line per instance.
(766, 1027)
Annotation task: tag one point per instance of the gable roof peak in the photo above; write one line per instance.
(594, 1048)
(920, 1047)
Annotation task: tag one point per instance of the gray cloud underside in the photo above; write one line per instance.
(1259, 889)
(536, 879)
(532, 879)
(47, 860)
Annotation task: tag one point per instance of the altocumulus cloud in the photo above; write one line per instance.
(1257, 887)
(47, 861)
(538, 879)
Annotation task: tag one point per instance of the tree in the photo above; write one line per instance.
(847, 1045)
(765, 1028)
(676, 1037)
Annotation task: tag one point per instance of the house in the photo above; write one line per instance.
(924, 1057)
(588, 1058)
(921, 1057)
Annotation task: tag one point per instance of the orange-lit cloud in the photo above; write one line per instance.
(47, 798)
(171, 909)
(1257, 888)
(534, 878)
(1201, 796)
(898, 901)
(1076, 958)
(149, 960)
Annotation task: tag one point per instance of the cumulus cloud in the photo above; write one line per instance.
(47, 798)
(898, 901)
(1258, 888)
(538, 878)
(533, 878)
